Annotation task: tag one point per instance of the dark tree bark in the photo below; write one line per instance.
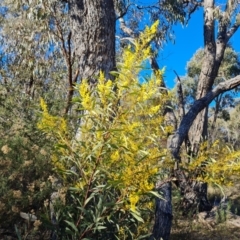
(163, 214)
(194, 192)
(93, 36)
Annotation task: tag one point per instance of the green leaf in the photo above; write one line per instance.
(100, 202)
(100, 227)
(72, 225)
(17, 232)
(88, 199)
(156, 194)
(144, 236)
(137, 217)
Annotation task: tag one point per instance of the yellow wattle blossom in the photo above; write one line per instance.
(104, 87)
(5, 149)
(49, 122)
(85, 93)
(80, 185)
(119, 148)
(218, 163)
(17, 194)
(133, 199)
(146, 186)
(115, 156)
(15, 209)
(37, 224)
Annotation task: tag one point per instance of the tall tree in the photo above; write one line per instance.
(84, 12)
(93, 36)
(93, 40)
(214, 48)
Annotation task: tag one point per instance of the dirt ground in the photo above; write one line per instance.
(203, 228)
(200, 232)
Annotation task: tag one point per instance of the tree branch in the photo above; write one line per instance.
(122, 14)
(198, 106)
(233, 29)
(180, 97)
(126, 29)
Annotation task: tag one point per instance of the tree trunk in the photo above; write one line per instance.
(93, 39)
(93, 35)
(207, 76)
(163, 214)
(213, 55)
(194, 194)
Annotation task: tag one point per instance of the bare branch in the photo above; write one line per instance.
(198, 106)
(126, 29)
(199, 3)
(180, 97)
(233, 29)
(225, 22)
(122, 14)
(196, 4)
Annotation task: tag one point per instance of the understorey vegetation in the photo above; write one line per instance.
(92, 143)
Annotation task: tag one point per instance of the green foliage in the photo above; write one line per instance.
(108, 171)
(25, 169)
(230, 65)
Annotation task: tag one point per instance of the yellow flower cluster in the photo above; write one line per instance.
(104, 89)
(51, 123)
(121, 132)
(87, 101)
(133, 198)
(55, 126)
(221, 163)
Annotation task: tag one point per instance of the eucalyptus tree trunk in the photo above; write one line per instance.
(214, 49)
(93, 39)
(93, 36)
(207, 75)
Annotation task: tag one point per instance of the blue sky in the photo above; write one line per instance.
(187, 41)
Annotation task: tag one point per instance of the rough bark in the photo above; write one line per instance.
(216, 111)
(163, 207)
(93, 39)
(195, 193)
(93, 35)
(163, 214)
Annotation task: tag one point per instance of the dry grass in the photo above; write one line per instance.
(199, 231)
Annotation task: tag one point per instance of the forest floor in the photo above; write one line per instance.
(225, 225)
(221, 225)
(199, 231)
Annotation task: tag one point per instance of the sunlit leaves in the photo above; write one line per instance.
(117, 153)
